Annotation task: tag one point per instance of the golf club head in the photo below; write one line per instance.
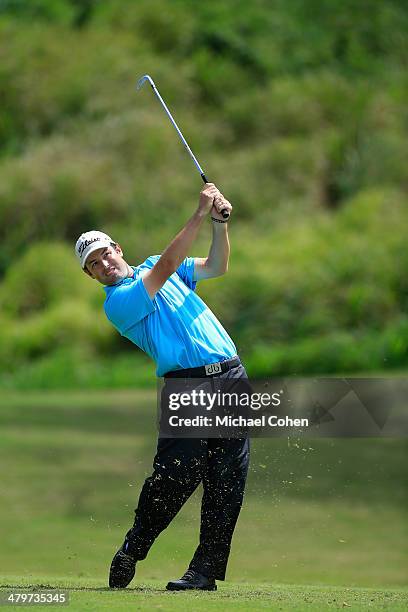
(143, 80)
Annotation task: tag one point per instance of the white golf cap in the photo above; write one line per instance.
(89, 242)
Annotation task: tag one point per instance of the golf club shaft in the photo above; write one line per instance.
(141, 81)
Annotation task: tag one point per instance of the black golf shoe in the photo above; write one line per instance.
(122, 568)
(192, 580)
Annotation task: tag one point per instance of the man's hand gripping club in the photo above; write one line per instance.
(212, 201)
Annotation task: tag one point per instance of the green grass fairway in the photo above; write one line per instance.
(89, 595)
(323, 524)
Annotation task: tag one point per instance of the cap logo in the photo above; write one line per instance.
(86, 243)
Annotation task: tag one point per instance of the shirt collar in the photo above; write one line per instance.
(126, 280)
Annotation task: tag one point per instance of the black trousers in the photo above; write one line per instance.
(180, 465)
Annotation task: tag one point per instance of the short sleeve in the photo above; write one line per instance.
(186, 272)
(128, 304)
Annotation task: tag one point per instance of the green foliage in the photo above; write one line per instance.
(297, 110)
(45, 275)
(47, 303)
(47, 10)
(78, 364)
(71, 322)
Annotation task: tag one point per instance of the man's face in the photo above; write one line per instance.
(107, 265)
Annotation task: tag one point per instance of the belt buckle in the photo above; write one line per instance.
(213, 368)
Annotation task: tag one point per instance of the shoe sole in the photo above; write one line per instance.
(175, 587)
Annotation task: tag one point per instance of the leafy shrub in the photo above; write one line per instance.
(79, 367)
(46, 275)
(47, 10)
(71, 323)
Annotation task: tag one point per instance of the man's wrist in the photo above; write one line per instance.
(200, 214)
(217, 221)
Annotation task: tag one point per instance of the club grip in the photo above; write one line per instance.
(224, 213)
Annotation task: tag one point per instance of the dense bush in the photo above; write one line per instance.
(45, 275)
(47, 303)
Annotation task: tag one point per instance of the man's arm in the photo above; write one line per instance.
(216, 263)
(178, 249)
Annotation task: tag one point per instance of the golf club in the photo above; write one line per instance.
(148, 78)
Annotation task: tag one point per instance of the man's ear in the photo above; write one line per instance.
(118, 249)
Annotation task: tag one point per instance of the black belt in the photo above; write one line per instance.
(212, 369)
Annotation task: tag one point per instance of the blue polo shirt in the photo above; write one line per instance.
(176, 328)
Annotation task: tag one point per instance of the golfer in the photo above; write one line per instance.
(155, 306)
